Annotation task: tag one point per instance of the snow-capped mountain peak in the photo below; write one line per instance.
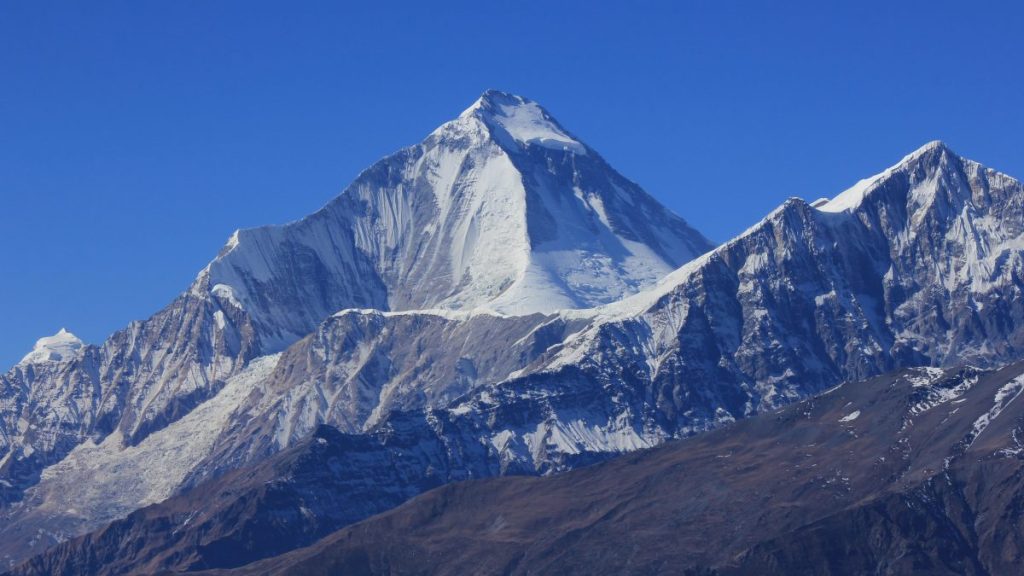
(57, 348)
(853, 197)
(521, 120)
(500, 208)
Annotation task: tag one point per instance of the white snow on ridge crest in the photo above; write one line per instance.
(524, 120)
(61, 346)
(852, 197)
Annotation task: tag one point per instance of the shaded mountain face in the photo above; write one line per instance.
(499, 209)
(916, 472)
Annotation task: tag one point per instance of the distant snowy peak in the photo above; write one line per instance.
(521, 120)
(850, 199)
(60, 347)
(936, 204)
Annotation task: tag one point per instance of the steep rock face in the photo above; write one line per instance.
(141, 378)
(954, 253)
(102, 479)
(500, 208)
(362, 369)
(39, 399)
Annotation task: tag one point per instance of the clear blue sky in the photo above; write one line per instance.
(135, 136)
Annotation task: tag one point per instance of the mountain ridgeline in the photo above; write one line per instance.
(499, 209)
(493, 301)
